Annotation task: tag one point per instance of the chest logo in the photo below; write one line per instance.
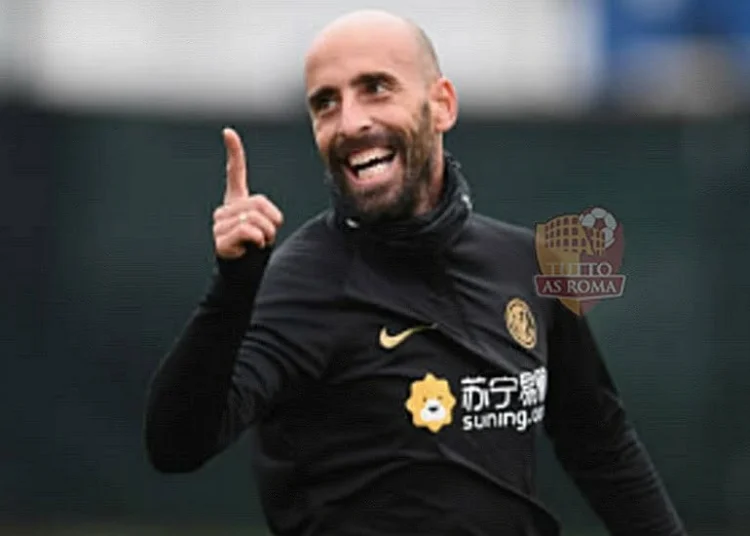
(521, 323)
(431, 403)
(389, 342)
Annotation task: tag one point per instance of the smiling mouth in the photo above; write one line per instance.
(370, 162)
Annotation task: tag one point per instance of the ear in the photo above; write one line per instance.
(444, 103)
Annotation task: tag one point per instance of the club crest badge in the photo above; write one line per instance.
(521, 323)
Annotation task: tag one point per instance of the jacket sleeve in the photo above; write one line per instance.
(593, 440)
(259, 330)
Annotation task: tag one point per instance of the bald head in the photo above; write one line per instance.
(379, 107)
(383, 26)
(427, 51)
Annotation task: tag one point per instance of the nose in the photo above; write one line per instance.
(354, 118)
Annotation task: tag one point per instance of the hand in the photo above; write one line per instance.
(243, 218)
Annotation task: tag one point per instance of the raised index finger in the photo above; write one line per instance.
(237, 186)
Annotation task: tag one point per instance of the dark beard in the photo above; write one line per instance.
(414, 146)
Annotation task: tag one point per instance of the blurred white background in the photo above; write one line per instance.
(506, 56)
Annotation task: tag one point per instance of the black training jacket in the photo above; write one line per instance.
(396, 378)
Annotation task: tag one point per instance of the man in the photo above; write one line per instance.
(392, 354)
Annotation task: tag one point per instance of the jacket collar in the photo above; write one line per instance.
(428, 233)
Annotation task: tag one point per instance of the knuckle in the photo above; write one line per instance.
(257, 201)
(257, 236)
(264, 222)
(248, 230)
(248, 221)
(254, 215)
(270, 228)
(233, 236)
(246, 204)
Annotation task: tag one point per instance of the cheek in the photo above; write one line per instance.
(322, 137)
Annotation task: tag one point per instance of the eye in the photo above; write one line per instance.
(375, 86)
(324, 104)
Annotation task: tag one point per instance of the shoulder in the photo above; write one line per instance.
(504, 241)
(314, 256)
(504, 232)
(314, 241)
(510, 254)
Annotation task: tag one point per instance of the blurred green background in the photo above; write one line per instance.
(106, 241)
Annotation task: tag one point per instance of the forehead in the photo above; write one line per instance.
(342, 55)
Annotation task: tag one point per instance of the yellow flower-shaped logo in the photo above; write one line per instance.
(431, 403)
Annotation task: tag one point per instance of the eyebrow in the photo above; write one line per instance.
(361, 80)
(376, 76)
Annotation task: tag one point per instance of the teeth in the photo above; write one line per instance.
(373, 171)
(367, 155)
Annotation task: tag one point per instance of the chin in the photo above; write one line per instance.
(387, 207)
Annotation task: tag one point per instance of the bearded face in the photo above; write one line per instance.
(379, 107)
(384, 173)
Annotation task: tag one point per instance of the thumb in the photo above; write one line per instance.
(237, 186)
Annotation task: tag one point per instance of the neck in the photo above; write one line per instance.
(434, 188)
